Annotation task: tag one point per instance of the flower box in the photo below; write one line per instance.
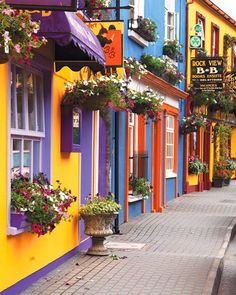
(19, 220)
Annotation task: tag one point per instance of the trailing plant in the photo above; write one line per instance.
(147, 28)
(147, 103)
(18, 34)
(140, 186)
(228, 43)
(193, 122)
(222, 133)
(100, 205)
(99, 94)
(44, 205)
(134, 67)
(171, 48)
(163, 68)
(196, 166)
(222, 101)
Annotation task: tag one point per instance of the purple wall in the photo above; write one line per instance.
(102, 158)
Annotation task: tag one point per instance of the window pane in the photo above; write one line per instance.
(13, 122)
(20, 96)
(36, 157)
(31, 103)
(40, 116)
(16, 156)
(27, 157)
(76, 126)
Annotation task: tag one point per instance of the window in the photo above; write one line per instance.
(27, 121)
(138, 9)
(234, 57)
(214, 40)
(171, 21)
(201, 21)
(170, 141)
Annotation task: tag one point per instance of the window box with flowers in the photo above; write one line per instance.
(196, 166)
(144, 27)
(147, 103)
(134, 67)
(140, 186)
(193, 123)
(38, 205)
(162, 68)
(171, 49)
(18, 35)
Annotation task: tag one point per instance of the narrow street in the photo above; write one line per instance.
(177, 252)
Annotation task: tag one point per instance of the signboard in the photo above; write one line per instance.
(197, 28)
(230, 80)
(195, 42)
(207, 73)
(110, 35)
(65, 5)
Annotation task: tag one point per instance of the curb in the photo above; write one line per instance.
(214, 275)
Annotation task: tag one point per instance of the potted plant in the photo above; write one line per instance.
(18, 35)
(193, 122)
(140, 186)
(221, 172)
(147, 29)
(42, 205)
(196, 166)
(95, 9)
(147, 103)
(171, 48)
(99, 94)
(99, 214)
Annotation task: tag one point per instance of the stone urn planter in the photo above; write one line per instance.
(99, 214)
(98, 226)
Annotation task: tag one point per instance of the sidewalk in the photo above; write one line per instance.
(177, 252)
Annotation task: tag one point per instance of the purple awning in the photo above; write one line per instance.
(67, 29)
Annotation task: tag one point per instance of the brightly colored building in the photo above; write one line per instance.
(217, 34)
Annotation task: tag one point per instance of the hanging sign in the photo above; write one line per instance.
(195, 42)
(110, 36)
(207, 73)
(65, 5)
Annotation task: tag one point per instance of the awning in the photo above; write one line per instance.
(76, 45)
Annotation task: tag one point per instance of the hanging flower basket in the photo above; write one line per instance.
(193, 123)
(99, 94)
(18, 35)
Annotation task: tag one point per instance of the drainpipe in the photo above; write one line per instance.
(116, 228)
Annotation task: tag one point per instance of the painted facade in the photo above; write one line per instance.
(216, 24)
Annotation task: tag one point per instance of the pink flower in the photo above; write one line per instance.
(17, 48)
(6, 36)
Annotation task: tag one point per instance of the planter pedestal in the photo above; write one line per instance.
(98, 247)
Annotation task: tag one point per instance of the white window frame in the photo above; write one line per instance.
(138, 8)
(25, 134)
(170, 142)
(170, 10)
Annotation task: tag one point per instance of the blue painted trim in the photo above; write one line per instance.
(28, 281)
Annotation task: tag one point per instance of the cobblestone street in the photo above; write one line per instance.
(177, 252)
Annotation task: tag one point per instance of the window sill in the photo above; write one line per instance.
(171, 174)
(137, 38)
(173, 61)
(13, 231)
(132, 198)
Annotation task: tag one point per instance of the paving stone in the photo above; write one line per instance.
(174, 255)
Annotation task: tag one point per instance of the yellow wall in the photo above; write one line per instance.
(224, 28)
(233, 143)
(23, 254)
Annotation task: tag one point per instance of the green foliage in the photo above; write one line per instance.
(140, 185)
(100, 205)
(193, 122)
(222, 133)
(171, 48)
(162, 68)
(147, 28)
(196, 166)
